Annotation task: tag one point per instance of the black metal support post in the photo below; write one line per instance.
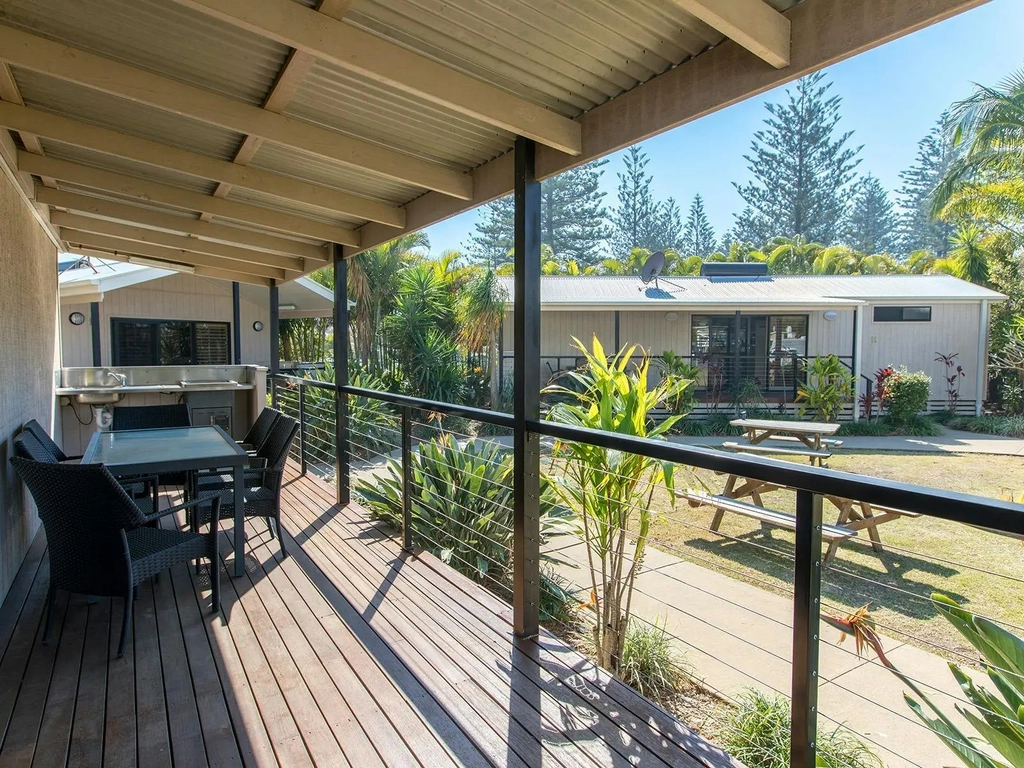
(341, 462)
(94, 326)
(618, 341)
(275, 341)
(806, 629)
(236, 320)
(526, 452)
(407, 478)
(303, 458)
(501, 356)
(737, 332)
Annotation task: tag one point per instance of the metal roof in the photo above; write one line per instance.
(572, 292)
(398, 104)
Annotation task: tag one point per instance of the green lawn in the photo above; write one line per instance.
(976, 567)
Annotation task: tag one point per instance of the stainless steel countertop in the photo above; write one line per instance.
(206, 386)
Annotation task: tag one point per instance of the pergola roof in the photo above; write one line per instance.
(241, 137)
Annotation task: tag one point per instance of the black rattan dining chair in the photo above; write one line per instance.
(98, 540)
(34, 428)
(260, 429)
(150, 417)
(143, 490)
(262, 484)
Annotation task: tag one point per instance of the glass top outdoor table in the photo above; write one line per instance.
(176, 449)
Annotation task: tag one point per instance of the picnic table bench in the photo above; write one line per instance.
(819, 456)
(830, 533)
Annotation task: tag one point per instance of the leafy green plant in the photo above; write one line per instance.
(1007, 426)
(679, 373)
(997, 716)
(828, 386)
(650, 661)
(610, 490)
(462, 505)
(748, 394)
(908, 395)
(758, 735)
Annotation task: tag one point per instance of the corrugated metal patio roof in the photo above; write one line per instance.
(354, 121)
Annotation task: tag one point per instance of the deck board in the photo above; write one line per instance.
(347, 653)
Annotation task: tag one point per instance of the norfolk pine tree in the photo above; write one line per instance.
(698, 236)
(871, 225)
(801, 168)
(918, 230)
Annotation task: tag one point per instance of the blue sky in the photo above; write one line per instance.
(891, 95)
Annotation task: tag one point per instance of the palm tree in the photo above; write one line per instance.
(373, 278)
(922, 262)
(481, 310)
(969, 255)
(792, 255)
(879, 264)
(986, 181)
(836, 260)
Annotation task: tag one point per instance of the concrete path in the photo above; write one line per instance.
(953, 441)
(737, 636)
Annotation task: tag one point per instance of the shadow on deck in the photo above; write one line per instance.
(349, 652)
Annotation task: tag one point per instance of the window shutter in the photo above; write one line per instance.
(212, 345)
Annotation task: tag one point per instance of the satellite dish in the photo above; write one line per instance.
(652, 267)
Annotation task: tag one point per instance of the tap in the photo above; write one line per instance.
(121, 378)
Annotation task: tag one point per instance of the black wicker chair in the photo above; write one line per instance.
(34, 428)
(98, 540)
(143, 490)
(151, 417)
(262, 485)
(260, 429)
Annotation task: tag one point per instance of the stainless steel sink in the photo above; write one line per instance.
(96, 397)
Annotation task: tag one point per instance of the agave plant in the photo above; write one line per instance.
(611, 490)
(462, 502)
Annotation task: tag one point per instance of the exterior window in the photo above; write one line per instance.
(903, 314)
(170, 342)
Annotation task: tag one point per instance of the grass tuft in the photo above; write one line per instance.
(650, 661)
(758, 736)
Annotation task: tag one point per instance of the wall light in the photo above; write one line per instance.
(286, 307)
(830, 314)
(671, 316)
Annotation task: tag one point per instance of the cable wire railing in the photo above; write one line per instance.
(386, 432)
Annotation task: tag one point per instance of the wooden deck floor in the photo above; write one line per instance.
(347, 653)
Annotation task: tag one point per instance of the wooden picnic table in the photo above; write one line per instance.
(812, 434)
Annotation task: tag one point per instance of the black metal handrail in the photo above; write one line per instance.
(811, 485)
(1001, 515)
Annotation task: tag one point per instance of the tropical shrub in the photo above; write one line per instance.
(610, 490)
(758, 735)
(908, 395)
(998, 716)
(1007, 426)
(827, 387)
(675, 368)
(462, 505)
(951, 375)
(650, 661)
